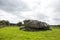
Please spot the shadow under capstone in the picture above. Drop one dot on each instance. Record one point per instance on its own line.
(33, 29)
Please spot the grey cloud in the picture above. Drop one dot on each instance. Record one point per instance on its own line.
(56, 11)
(18, 6)
(13, 5)
(56, 5)
(56, 19)
(41, 16)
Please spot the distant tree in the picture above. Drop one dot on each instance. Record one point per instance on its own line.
(4, 23)
(7, 22)
(13, 24)
(19, 24)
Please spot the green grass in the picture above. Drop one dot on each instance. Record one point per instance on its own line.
(13, 33)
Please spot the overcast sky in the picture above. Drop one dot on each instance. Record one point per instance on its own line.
(18, 10)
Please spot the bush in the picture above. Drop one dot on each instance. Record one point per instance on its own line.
(4, 23)
(19, 24)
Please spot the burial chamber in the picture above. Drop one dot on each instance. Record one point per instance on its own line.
(35, 25)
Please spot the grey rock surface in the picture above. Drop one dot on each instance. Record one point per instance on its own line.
(35, 25)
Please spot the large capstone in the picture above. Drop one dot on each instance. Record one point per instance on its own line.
(35, 25)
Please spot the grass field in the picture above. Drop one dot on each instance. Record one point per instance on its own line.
(13, 33)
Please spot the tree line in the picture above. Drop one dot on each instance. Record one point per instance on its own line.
(7, 23)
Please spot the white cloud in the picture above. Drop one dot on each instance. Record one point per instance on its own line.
(40, 10)
(8, 16)
(44, 10)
